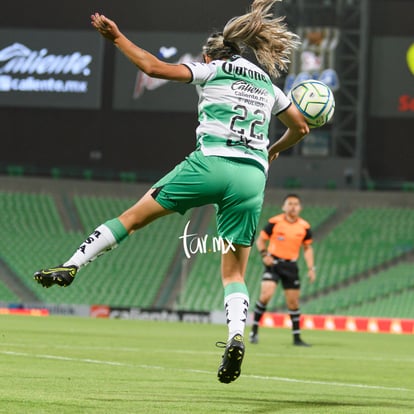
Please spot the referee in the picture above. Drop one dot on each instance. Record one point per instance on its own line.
(279, 244)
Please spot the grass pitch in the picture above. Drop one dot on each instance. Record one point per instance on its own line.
(80, 365)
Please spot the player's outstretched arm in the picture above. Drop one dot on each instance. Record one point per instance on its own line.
(145, 61)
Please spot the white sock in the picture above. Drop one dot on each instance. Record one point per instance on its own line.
(236, 305)
(100, 241)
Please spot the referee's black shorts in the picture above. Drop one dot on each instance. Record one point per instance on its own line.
(283, 271)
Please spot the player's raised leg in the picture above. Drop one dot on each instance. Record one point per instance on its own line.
(105, 237)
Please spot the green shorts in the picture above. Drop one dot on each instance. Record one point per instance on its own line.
(235, 187)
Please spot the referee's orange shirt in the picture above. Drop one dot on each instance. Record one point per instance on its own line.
(286, 238)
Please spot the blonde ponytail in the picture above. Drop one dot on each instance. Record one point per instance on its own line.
(268, 37)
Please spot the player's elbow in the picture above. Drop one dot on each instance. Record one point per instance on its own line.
(153, 68)
(302, 129)
(299, 131)
(152, 72)
(158, 73)
(161, 70)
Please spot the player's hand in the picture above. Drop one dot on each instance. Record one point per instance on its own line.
(273, 157)
(311, 275)
(106, 27)
(268, 260)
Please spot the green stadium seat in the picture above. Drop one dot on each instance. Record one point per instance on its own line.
(56, 172)
(371, 293)
(128, 176)
(15, 170)
(293, 182)
(87, 174)
(6, 295)
(36, 237)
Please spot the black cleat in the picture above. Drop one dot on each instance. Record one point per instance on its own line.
(253, 338)
(230, 367)
(61, 276)
(299, 342)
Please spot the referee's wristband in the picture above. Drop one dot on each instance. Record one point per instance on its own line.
(312, 268)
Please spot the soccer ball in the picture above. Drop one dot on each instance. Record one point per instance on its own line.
(314, 100)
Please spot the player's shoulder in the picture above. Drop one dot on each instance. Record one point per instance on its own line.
(276, 219)
(196, 65)
(303, 223)
(202, 72)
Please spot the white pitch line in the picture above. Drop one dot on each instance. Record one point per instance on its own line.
(337, 384)
(259, 377)
(366, 358)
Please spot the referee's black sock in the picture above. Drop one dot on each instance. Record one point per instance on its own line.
(295, 318)
(259, 310)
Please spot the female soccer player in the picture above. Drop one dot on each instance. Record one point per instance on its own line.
(230, 163)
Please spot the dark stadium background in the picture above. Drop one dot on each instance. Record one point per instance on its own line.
(378, 150)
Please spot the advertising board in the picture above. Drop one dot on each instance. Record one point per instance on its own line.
(50, 68)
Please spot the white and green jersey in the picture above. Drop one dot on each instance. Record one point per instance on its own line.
(236, 102)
